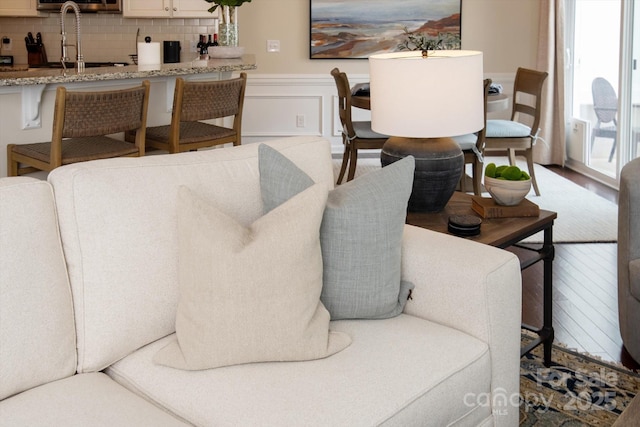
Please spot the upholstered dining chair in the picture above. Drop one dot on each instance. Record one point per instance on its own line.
(83, 128)
(518, 135)
(193, 102)
(605, 105)
(472, 146)
(355, 135)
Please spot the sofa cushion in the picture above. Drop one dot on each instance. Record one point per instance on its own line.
(361, 234)
(117, 222)
(250, 294)
(83, 400)
(37, 334)
(402, 371)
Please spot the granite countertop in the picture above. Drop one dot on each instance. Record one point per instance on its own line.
(21, 76)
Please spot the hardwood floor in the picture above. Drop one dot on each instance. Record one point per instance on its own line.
(585, 306)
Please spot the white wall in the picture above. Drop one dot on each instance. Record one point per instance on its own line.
(505, 30)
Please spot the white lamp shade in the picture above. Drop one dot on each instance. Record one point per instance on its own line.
(438, 96)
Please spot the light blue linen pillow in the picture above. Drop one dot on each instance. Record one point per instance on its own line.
(360, 235)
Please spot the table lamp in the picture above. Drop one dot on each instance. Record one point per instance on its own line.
(423, 101)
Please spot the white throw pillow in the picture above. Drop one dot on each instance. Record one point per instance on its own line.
(250, 294)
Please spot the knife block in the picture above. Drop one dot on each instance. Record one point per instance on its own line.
(36, 55)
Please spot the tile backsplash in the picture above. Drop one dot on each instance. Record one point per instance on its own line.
(105, 37)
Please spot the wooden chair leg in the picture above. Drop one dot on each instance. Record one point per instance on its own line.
(512, 156)
(463, 180)
(12, 165)
(343, 167)
(353, 162)
(477, 177)
(529, 155)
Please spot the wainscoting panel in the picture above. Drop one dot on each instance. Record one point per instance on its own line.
(282, 115)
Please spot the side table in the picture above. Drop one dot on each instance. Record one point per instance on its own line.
(502, 233)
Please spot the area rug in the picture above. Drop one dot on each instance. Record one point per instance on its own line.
(577, 390)
(583, 216)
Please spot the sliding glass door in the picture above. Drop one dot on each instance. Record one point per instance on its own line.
(603, 86)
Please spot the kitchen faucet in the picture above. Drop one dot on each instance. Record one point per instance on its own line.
(80, 59)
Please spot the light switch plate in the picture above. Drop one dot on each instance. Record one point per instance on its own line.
(273, 45)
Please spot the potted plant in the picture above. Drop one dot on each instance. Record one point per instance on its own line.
(421, 41)
(231, 3)
(228, 29)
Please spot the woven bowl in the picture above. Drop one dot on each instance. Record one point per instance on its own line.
(507, 193)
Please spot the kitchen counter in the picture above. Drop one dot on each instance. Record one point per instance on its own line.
(22, 76)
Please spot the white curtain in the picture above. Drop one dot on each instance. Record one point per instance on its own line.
(551, 48)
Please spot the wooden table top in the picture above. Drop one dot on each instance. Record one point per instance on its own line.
(499, 232)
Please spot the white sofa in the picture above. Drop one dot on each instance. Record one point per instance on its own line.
(88, 295)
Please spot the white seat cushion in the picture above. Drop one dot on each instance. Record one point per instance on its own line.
(82, 400)
(507, 129)
(401, 371)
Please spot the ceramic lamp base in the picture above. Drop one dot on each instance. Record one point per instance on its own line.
(439, 165)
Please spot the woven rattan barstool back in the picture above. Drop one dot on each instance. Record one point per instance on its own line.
(81, 123)
(196, 101)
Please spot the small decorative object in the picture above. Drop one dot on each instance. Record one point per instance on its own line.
(425, 43)
(508, 185)
(228, 27)
(464, 225)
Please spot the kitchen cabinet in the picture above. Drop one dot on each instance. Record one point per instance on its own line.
(165, 9)
(21, 8)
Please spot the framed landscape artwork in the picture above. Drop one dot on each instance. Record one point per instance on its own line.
(343, 29)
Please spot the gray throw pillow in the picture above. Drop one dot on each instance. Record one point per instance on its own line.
(360, 236)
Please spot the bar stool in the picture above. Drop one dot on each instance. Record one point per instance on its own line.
(81, 123)
(194, 102)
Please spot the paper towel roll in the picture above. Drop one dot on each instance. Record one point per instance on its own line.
(149, 53)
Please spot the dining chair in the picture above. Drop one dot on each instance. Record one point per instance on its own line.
(193, 102)
(472, 146)
(356, 135)
(518, 135)
(83, 128)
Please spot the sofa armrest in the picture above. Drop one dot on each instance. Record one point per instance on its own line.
(629, 257)
(474, 288)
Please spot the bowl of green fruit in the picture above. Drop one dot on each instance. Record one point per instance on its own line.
(508, 185)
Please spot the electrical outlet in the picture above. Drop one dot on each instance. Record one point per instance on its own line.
(6, 44)
(300, 120)
(193, 46)
(273, 46)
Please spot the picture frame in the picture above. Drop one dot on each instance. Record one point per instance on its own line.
(356, 29)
